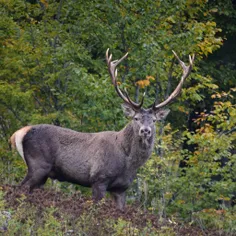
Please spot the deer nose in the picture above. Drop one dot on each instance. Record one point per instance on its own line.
(146, 131)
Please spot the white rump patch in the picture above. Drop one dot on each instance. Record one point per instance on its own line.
(19, 135)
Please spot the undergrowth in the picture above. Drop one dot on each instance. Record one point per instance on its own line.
(26, 218)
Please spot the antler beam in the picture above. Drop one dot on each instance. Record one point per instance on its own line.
(176, 92)
(113, 72)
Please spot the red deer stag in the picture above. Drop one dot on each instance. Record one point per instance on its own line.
(105, 161)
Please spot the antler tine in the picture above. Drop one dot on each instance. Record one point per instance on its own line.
(113, 72)
(176, 92)
(140, 104)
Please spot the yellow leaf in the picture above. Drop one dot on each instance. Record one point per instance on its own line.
(181, 201)
(149, 77)
(44, 2)
(209, 49)
(170, 19)
(180, 108)
(224, 94)
(220, 212)
(214, 10)
(143, 83)
(166, 46)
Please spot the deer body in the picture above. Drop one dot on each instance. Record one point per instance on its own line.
(105, 161)
(85, 158)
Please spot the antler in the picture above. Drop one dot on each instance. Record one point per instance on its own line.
(176, 92)
(113, 72)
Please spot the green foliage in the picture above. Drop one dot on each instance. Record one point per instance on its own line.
(53, 71)
(222, 220)
(207, 184)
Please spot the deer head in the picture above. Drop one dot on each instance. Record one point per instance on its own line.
(144, 119)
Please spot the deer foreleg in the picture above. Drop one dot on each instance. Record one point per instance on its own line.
(119, 198)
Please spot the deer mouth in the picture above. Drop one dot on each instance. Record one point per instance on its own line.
(145, 141)
(145, 136)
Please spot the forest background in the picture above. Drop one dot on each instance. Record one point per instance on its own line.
(53, 71)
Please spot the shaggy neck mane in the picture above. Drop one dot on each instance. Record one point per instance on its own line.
(135, 147)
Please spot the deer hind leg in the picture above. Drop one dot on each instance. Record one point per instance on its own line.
(35, 180)
(27, 177)
(37, 175)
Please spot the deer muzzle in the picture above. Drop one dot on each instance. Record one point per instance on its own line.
(145, 132)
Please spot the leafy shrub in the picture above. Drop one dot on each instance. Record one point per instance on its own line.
(208, 179)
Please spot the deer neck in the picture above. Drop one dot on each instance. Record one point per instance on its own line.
(135, 148)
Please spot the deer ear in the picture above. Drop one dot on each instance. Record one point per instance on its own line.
(162, 114)
(128, 110)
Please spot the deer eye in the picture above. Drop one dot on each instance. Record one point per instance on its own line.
(136, 118)
(154, 120)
